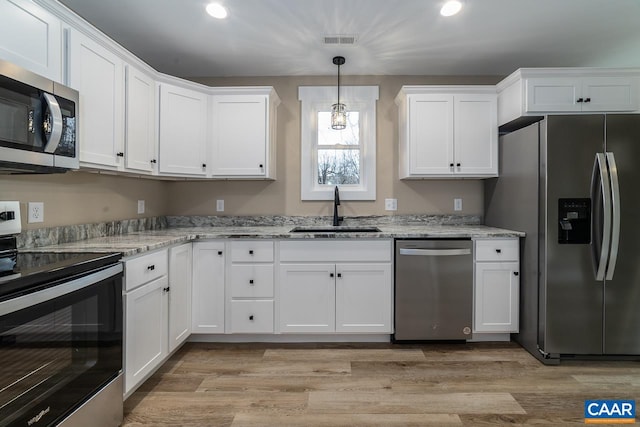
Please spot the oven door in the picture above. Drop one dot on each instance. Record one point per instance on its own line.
(59, 346)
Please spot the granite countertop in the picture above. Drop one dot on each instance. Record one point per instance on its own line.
(143, 241)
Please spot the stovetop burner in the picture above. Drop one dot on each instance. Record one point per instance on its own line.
(24, 272)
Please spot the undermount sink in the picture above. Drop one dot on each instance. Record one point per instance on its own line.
(334, 229)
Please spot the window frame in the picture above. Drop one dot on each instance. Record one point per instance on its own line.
(319, 98)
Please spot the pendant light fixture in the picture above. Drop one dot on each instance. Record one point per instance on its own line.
(338, 110)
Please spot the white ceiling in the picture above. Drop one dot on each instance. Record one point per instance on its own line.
(402, 37)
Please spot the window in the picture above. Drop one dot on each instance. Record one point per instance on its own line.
(346, 158)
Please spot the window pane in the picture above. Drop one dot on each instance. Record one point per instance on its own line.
(348, 136)
(338, 167)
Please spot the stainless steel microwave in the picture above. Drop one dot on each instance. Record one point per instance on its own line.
(38, 123)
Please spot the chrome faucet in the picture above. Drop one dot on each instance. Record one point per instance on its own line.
(336, 203)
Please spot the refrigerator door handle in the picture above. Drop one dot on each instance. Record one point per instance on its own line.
(615, 223)
(600, 170)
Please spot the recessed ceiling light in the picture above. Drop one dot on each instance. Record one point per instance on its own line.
(450, 8)
(217, 10)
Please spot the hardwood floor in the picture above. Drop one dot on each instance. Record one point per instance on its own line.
(206, 384)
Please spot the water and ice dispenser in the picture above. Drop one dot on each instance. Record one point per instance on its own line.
(574, 221)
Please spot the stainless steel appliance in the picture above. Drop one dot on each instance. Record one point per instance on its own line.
(433, 289)
(38, 123)
(60, 336)
(571, 183)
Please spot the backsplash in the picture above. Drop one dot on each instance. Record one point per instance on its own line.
(72, 233)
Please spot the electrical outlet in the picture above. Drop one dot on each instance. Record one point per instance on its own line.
(35, 212)
(457, 204)
(390, 204)
(220, 205)
(140, 206)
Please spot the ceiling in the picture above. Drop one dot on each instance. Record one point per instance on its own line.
(407, 37)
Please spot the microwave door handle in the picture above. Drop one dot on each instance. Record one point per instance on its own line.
(600, 171)
(56, 126)
(615, 223)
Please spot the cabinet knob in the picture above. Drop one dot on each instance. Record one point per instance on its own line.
(251, 252)
(515, 273)
(151, 267)
(339, 274)
(498, 251)
(204, 165)
(153, 161)
(251, 281)
(587, 100)
(330, 274)
(251, 317)
(166, 289)
(579, 100)
(261, 166)
(450, 165)
(458, 164)
(219, 252)
(120, 154)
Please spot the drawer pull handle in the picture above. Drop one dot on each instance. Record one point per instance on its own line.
(515, 273)
(339, 274)
(251, 317)
(151, 267)
(498, 251)
(251, 252)
(219, 252)
(251, 281)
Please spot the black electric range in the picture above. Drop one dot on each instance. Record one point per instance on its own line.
(24, 272)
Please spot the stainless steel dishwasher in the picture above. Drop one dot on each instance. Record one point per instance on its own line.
(433, 289)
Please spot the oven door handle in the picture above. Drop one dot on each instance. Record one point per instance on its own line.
(29, 300)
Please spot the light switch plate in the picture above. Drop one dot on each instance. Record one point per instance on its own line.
(140, 206)
(10, 226)
(457, 204)
(390, 204)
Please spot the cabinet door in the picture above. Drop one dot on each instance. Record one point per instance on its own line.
(31, 38)
(496, 295)
(307, 298)
(98, 75)
(240, 135)
(140, 154)
(476, 134)
(553, 94)
(145, 331)
(363, 298)
(208, 288)
(430, 134)
(610, 94)
(180, 268)
(183, 135)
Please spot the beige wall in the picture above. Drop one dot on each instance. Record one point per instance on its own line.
(283, 196)
(84, 198)
(81, 197)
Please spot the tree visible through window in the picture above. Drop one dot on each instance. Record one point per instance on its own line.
(339, 154)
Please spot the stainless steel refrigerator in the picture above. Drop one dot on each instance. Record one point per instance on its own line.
(572, 183)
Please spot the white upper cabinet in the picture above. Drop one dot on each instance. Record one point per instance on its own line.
(243, 133)
(448, 132)
(31, 38)
(98, 74)
(536, 91)
(183, 131)
(141, 146)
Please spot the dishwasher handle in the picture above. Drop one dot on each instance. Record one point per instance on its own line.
(435, 252)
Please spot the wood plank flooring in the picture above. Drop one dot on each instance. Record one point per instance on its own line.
(207, 384)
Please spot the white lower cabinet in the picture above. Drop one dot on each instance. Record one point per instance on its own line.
(208, 298)
(355, 296)
(157, 311)
(497, 286)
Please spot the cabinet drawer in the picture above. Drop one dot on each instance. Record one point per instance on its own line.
(252, 316)
(252, 251)
(145, 268)
(251, 280)
(497, 250)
